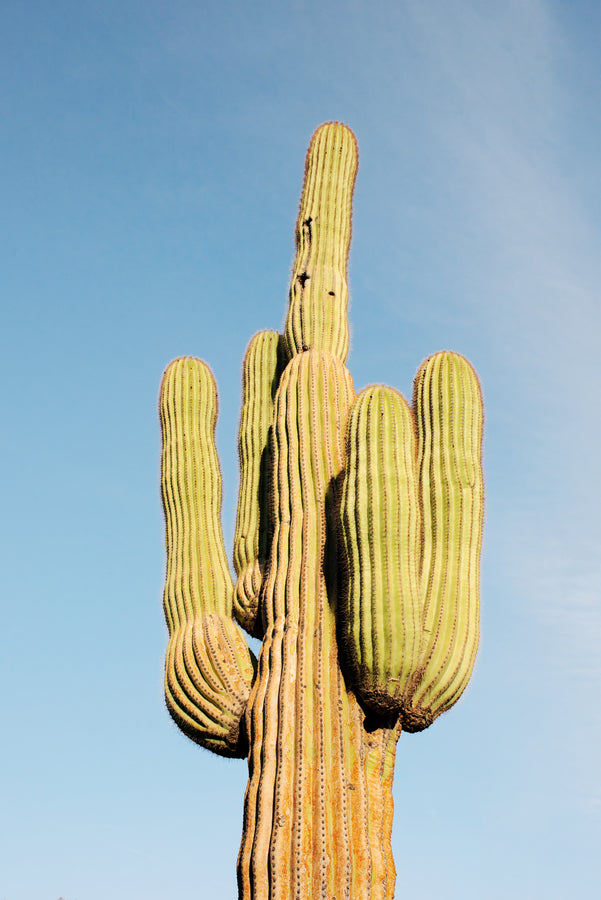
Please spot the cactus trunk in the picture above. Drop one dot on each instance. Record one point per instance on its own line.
(313, 824)
(356, 550)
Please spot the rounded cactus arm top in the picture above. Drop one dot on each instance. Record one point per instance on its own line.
(317, 315)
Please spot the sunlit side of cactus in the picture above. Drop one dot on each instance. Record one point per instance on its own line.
(356, 551)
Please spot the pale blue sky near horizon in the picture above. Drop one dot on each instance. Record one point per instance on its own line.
(153, 155)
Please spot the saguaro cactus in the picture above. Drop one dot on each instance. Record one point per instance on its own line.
(357, 552)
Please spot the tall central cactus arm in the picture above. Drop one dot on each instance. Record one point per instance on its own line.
(317, 318)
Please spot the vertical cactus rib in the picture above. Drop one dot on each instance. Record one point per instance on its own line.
(209, 668)
(318, 290)
(252, 536)
(379, 605)
(448, 405)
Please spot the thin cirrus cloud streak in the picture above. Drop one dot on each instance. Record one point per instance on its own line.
(540, 277)
(500, 121)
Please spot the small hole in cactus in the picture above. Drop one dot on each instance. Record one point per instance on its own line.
(303, 278)
(371, 722)
(331, 294)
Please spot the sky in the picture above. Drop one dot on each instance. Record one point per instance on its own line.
(153, 155)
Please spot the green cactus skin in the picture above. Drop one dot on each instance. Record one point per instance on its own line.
(448, 404)
(209, 668)
(252, 539)
(357, 550)
(318, 289)
(411, 527)
(381, 523)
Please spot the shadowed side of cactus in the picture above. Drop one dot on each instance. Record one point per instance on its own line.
(356, 550)
(263, 364)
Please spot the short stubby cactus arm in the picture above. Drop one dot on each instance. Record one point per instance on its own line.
(209, 668)
(261, 372)
(448, 409)
(317, 318)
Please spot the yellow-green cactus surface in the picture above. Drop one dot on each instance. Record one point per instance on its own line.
(357, 557)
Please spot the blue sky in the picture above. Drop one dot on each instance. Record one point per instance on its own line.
(153, 156)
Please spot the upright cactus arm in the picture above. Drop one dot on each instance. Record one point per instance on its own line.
(448, 407)
(209, 668)
(411, 519)
(379, 606)
(317, 317)
(261, 372)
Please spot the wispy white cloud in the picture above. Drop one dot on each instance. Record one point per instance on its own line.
(561, 583)
(536, 286)
(500, 120)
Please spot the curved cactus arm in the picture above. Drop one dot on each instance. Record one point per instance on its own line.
(448, 407)
(379, 608)
(209, 668)
(317, 317)
(252, 538)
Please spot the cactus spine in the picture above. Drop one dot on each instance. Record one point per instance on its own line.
(356, 549)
